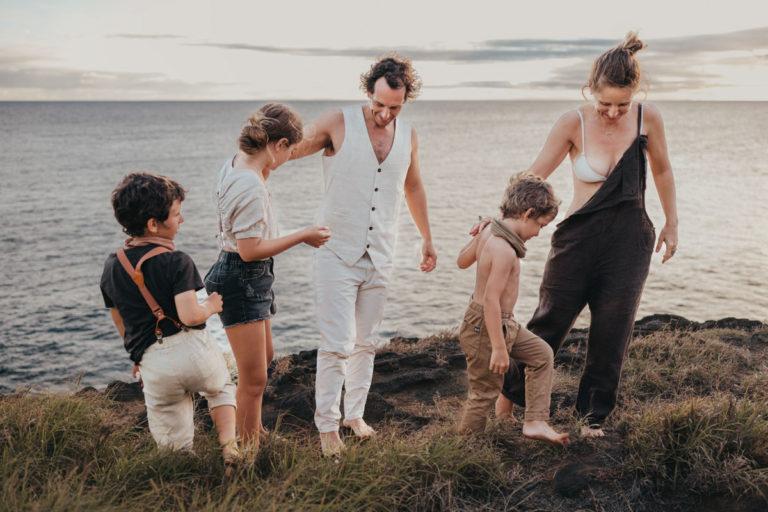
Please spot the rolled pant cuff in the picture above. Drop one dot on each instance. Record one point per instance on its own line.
(536, 416)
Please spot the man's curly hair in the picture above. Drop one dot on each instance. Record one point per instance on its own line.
(141, 196)
(399, 73)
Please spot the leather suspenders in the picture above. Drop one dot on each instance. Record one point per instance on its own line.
(138, 278)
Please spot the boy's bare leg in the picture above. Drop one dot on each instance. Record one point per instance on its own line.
(504, 407)
(331, 444)
(248, 342)
(224, 419)
(541, 431)
(587, 431)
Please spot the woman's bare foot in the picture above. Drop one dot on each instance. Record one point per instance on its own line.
(541, 431)
(331, 444)
(591, 431)
(504, 407)
(360, 428)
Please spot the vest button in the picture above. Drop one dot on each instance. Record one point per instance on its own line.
(370, 228)
(379, 170)
(368, 246)
(376, 189)
(373, 209)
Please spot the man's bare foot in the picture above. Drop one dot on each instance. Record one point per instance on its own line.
(360, 428)
(504, 407)
(541, 431)
(331, 444)
(588, 431)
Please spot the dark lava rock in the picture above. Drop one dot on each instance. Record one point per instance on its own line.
(742, 324)
(572, 479)
(124, 391)
(297, 408)
(377, 408)
(405, 380)
(405, 340)
(87, 391)
(653, 323)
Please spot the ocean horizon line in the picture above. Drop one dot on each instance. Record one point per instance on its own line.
(347, 100)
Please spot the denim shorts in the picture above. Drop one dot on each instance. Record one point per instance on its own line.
(245, 287)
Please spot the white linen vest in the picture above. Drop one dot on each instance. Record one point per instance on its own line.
(363, 197)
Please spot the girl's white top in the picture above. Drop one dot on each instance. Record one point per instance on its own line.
(244, 207)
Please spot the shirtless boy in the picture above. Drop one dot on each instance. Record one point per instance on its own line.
(489, 334)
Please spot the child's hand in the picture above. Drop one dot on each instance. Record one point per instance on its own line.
(214, 303)
(316, 235)
(477, 228)
(499, 362)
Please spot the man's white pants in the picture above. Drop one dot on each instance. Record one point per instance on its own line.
(349, 304)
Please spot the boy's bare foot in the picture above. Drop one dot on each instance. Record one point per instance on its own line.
(541, 431)
(331, 444)
(504, 407)
(360, 428)
(592, 431)
(232, 457)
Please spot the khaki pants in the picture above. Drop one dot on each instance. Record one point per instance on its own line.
(484, 386)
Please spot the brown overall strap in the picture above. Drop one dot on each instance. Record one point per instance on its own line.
(138, 277)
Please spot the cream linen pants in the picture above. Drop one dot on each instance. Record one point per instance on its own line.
(187, 362)
(349, 305)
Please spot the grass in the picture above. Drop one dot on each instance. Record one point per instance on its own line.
(692, 423)
(72, 453)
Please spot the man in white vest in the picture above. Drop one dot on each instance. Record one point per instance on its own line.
(370, 162)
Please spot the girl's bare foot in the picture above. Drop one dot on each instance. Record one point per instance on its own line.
(331, 444)
(592, 431)
(360, 428)
(504, 407)
(541, 431)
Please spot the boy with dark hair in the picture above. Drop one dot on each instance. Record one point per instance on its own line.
(150, 290)
(490, 334)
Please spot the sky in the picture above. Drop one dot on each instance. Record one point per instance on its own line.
(292, 50)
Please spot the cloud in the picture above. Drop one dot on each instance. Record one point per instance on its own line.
(481, 53)
(145, 36)
(502, 50)
(22, 72)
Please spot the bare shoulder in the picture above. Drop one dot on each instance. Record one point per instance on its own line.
(569, 120)
(500, 252)
(651, 114)
(330, 120)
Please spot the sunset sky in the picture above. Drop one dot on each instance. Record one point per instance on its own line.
(243, 50)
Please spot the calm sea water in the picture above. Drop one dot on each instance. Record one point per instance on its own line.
(59, 162)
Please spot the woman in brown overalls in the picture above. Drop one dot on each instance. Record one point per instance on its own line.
(602, 250)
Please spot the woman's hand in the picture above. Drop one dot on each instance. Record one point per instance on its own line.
(668, 236)
(316, 235)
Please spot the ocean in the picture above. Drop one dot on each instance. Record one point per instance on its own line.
(60, 161)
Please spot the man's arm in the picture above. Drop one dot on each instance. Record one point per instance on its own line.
(416, 197)
(318, 135)
(503, 262)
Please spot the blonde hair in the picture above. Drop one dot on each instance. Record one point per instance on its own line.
(527, 191)
(618, 67)
(272, 122)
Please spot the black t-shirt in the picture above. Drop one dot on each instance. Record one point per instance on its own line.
(165, 275)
